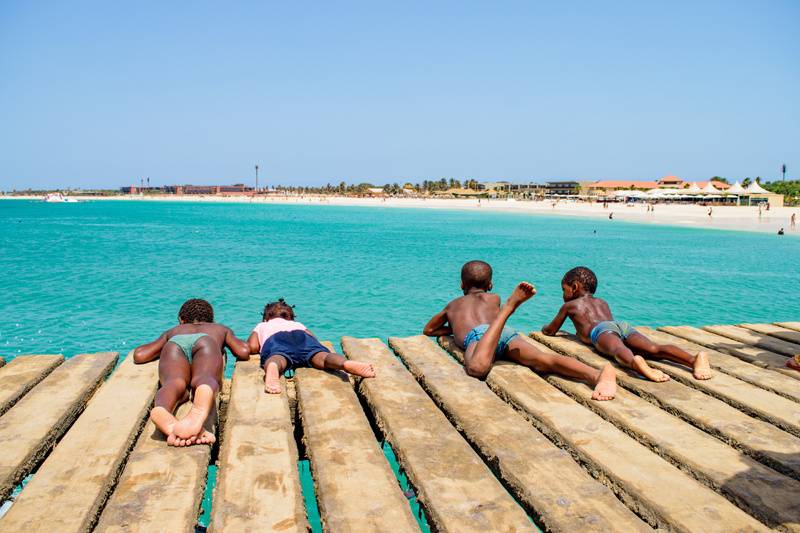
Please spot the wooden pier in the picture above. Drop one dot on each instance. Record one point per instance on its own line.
(516, 452)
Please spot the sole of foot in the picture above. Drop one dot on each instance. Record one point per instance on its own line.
(272, 379)
(192, 424)
(606, 387)
(522, 292)
(702, 369)
(641, 366)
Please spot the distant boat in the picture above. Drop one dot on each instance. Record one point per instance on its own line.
(58, 198)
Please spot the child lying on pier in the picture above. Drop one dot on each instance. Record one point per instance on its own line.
(190, 356)
(285, 344)
(595, 325)
(478, 323)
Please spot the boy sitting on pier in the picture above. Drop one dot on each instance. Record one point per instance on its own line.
(285, 344)
(190, 355)
(595, 325)
(478, 323)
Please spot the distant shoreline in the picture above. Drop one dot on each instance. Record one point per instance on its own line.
(691, 216)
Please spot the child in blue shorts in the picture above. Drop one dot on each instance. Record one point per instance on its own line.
(285, 344)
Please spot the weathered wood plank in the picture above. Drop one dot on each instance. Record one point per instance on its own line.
(756, 339)
(763, 378)
(258, 484)
(161, 487)
(457, 490)
(21, 374)
(789, 325)
(2, 362)
(542, 476)
(761, 440)
(753, 355)
(786, 334)
(356, 489)
(82, 470)
(30, 429)
(657, 490)
(762, 492)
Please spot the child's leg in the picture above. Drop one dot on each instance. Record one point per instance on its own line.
(611, 344)
(274, 366)
(174, 375)
(643, 345)
(479, 356)
(333, 361)
(207, 363)
(604, 381)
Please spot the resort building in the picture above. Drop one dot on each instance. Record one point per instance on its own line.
(225, 190)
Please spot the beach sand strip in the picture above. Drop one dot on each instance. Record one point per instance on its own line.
(77, 478)
(21, 374)
(661, 493)
(258, 485)
(30, 429)
(456, 489)
(544, 477)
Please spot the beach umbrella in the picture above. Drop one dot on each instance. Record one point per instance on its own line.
(694, 189)
(755, 188)
(736, 188)
(709, 189)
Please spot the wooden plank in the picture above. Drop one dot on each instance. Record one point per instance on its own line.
(789, 325)
(786, 334)
(161, 488)
(542, 476)
(658, 491)
(21, 374)
(2, 362)
(456, 489)
(763, 441)
(356, 489)
(82, 470)
(765, 379)
(762, 492)
(753, 355)
(756, 339)
(258, 484)
(31, 428)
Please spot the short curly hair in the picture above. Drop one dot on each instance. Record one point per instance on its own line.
(279, 309)
(477, 275)
(196, 310)
(582, 275)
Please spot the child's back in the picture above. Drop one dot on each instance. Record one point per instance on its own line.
(471, 310)
(586, 312)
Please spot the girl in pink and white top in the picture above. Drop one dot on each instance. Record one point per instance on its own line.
(285, 344)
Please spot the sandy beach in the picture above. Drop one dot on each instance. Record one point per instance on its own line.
(723, 217)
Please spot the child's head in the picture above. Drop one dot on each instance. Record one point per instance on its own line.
(476, 275)
(578, 282)
(196, 310)
(279, 309)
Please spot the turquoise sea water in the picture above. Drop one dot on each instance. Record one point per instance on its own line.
(99, 276)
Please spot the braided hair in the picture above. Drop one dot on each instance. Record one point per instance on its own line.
(196, 310)
(279, 309)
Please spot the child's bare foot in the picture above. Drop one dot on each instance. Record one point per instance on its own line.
(702, 370)
(272, 380)
(192, 424)
(522, 292)
(641, 366)
(794, 362)
(206, 437)
(606, 386)
(163, 419)
(357, 368)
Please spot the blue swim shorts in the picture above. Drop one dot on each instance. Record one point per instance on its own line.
(477, 333)
(620, 327)
(298, 347)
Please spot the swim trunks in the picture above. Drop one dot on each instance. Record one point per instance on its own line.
(298, 347)
(186, 342)
(477, 333)
(620, 327)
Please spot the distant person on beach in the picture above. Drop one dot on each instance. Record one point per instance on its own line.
(190, 357)
(285, 344)
(595, 325)
(780, 231)
(710, 210)
(611, 216)
(793, 220)
(478, 323)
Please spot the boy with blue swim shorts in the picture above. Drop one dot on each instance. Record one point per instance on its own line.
(477, 322)
(595, 325)
(285, 344)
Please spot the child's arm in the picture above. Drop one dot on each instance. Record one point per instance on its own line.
(238, 347)
(438, 326)
(253, 344)
(553, 327)
(150, 351)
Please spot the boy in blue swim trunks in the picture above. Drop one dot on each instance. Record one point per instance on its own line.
(595, 325)
(190, 357)
(285, 344)
(477, 321)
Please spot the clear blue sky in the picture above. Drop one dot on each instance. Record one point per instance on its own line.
(101, 93)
